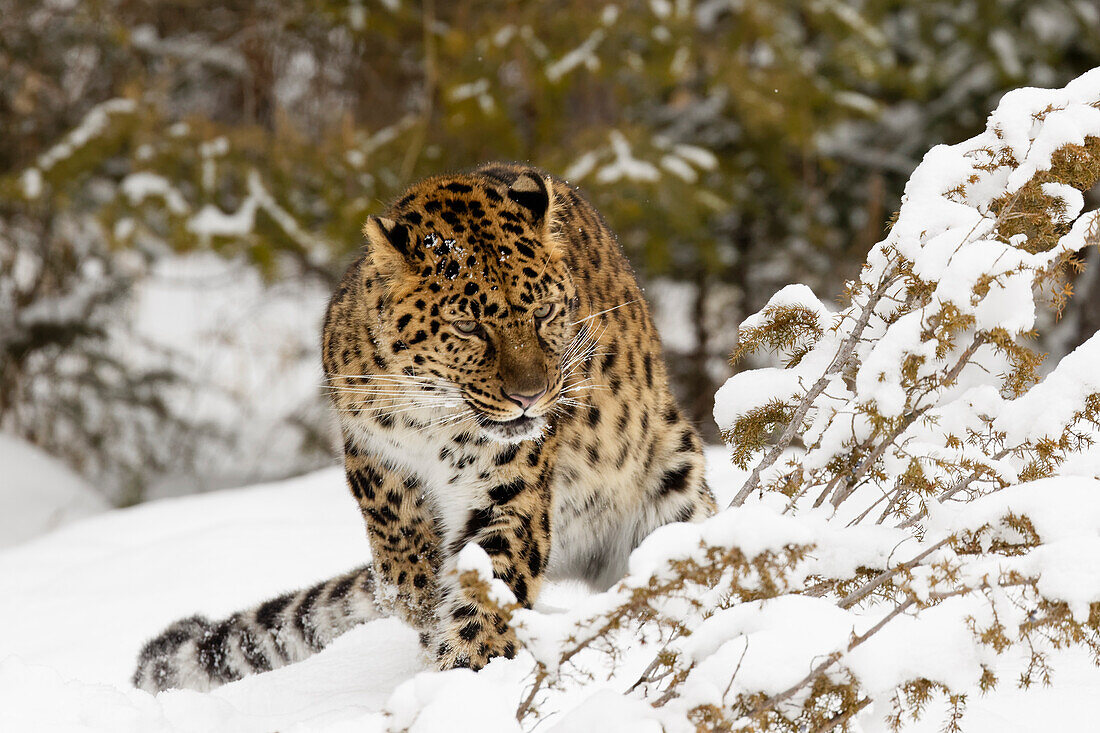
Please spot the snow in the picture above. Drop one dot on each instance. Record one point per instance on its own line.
(582, 55)
(879, 376)
(1050, 405)
(32, 183)
(459, 700)
(1073, 200)
(671, 303)
(39, 493)
(211, 221)
(681, 160)
(700, 157)
(773, 643)
(625, 165)
(759, 622)
(470, 90)
(79, 603)
(130, 572)
(473, 558)
(947, 235)
(93, 124)
(679, 168)
(897, 396)
(1065, 512)
(582, 166)
(139, 186)
(608, 712)
(936, 645)
(791, 296)
(752, 390)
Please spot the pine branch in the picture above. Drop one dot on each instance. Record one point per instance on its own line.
(839, 361)
(886, 575)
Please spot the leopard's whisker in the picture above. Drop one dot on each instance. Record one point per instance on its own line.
(584, 346)
(455, 419)
(378, 374)
(608, 310)
(395, 408)
(397, 393)
(583, 354)
(401, 379)
(577, 382)
(414, 399)
(383, 401)
(380, 412)
(393, 391)
(585, 388)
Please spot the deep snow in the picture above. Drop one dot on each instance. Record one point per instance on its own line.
(79, 602)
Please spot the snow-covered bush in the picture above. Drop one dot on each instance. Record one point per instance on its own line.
(140, 367)
(63, 385)
(903, 534)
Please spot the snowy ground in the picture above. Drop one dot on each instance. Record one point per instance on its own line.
(39, 493)
(80, 601)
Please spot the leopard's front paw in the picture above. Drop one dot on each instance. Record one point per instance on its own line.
(471, 642)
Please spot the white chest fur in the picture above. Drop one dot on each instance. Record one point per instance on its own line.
(448, 473)
(596, 520)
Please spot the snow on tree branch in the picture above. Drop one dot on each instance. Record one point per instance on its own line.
(909, 381)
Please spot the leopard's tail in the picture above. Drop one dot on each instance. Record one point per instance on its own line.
(199, 654)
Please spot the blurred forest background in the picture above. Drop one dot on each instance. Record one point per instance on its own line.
(182, 182)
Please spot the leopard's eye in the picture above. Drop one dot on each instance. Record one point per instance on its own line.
(544, 311)
(465, 326)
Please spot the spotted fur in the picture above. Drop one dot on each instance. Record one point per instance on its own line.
(499, 381)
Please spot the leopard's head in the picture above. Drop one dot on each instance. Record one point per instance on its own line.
(479, 297)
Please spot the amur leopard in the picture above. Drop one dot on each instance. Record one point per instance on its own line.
(498, 380)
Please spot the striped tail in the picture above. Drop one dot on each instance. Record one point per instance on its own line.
(199, 654)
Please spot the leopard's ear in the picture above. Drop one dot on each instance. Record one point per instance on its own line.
(532, 192)
(388, 244)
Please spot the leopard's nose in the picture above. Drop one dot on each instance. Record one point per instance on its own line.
(525, 400)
